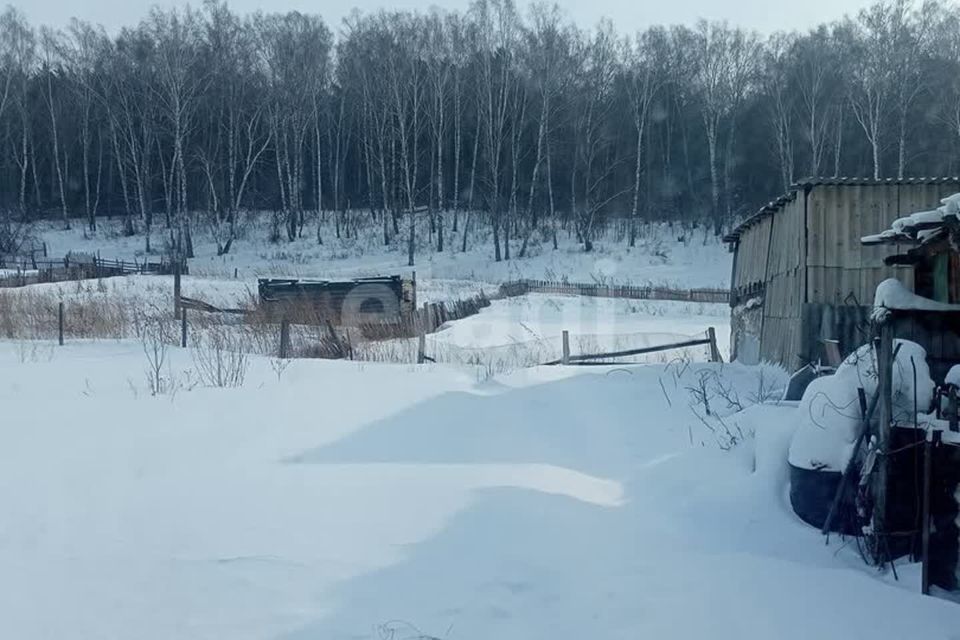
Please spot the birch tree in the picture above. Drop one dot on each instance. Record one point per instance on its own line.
(644, 79)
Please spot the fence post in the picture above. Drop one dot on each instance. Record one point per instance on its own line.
(714, 351)
(183, 328)
(176, 286)
(925, 513)
(885, 381)
(421, 347)
(60, 322)
(566, 348)
(414, 289)
(284, 337)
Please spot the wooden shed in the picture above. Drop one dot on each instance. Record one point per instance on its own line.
(800, 272)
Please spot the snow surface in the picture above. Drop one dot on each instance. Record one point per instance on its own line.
(829, 412)
(664, 255)
(543, 318)
(346, 500)
(524, 331)
(358, 500)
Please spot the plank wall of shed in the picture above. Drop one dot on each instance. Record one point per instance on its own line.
(785, 284)
(840, 270)
(751, 262)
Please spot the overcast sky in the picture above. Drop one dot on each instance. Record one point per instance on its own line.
(628, 15)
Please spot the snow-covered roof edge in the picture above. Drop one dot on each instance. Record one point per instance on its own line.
(921, 226)
(892, 295)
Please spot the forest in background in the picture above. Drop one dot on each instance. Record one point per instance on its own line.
(509, 117)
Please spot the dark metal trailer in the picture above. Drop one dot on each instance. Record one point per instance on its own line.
(352, 302)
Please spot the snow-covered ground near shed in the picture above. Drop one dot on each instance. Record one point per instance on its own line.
(353, 500)
(359, 500)
(664, 255)
(527, 330)
(540, 316)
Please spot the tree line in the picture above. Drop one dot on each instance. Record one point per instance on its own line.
(515, 119)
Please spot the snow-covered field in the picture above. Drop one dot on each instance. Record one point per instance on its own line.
(359, 500)
(348, 500)
(663, 256)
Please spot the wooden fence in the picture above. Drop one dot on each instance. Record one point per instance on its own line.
(709, 339)
(630, 292)
(40, 271)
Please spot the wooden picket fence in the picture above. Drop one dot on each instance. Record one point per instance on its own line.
(65, 270)
(630, 292)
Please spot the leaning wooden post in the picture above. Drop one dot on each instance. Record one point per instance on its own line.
(284, 337)
(885, 374)
(714, 351)
(183, 327)
(566, 348)
(60, 322)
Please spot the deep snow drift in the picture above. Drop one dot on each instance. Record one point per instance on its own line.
(346, 500)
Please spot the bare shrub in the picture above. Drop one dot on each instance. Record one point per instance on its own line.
(324, 341)
(156, 340)
(279, 366)
(401, 630)
(220, 355)
(15, 232)
(714, 401)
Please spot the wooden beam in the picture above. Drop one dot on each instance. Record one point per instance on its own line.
(885, 358)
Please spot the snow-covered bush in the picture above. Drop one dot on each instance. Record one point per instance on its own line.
(829, 414)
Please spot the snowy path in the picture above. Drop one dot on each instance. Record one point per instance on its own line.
(344, 497)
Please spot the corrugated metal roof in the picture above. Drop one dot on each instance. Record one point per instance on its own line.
(805, 183)
(868, 182)
(766, 210)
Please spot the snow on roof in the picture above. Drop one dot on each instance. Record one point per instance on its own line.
(953, 376)
(920, 226)
(891, 295)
